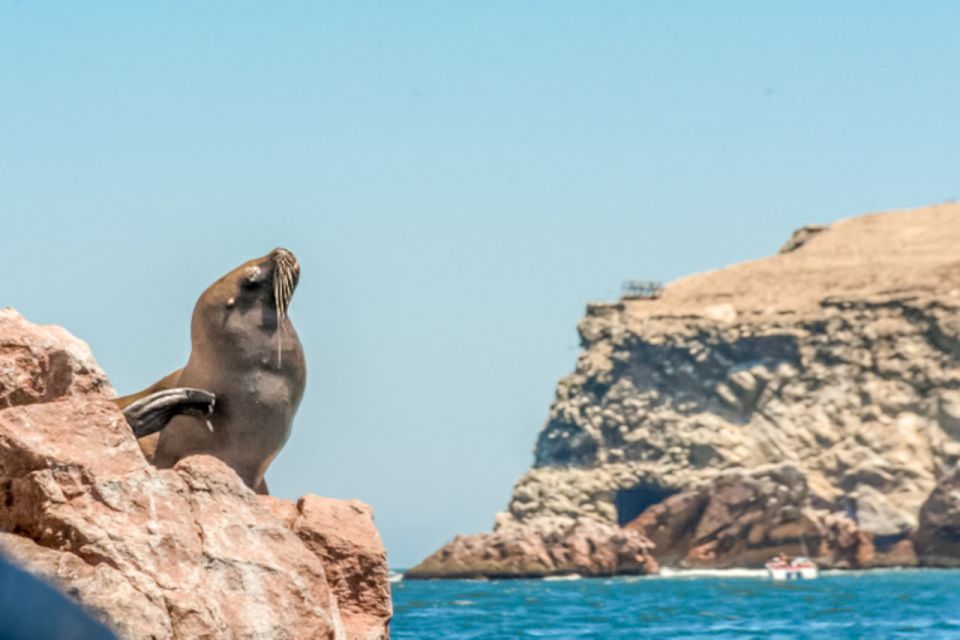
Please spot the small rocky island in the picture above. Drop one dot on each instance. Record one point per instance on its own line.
(807, 403)
(188, 552)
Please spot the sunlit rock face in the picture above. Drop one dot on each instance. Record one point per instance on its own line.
(838, 356)
(43, 363)
(188, 552)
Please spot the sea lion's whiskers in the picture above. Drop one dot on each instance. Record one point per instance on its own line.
(278, 307)
(282, 293)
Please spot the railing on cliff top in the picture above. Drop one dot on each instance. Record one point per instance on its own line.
(641, 289)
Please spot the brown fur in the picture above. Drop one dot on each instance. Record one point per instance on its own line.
(245, 351)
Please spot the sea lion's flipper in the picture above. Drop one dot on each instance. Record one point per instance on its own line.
(167, 382)
(152, 412)
(261, 489)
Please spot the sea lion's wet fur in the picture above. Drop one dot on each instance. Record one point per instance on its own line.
(245, 351)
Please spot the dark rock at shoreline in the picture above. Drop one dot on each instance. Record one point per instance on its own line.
(742, 519)
(938, 536)
(737, 520)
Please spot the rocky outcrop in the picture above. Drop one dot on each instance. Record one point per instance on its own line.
(188, 552)
(546, 548)
(839, 356)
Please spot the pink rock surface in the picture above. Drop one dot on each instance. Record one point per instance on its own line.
(45, 363)
(208, 559)
(188, 552)
(342, 534)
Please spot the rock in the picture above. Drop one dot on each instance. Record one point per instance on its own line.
(45, 363)
(207, 557)
(937, 539)
(671, 524)
(744, 518)
(845, 545)
(901, 553)
(725, 313)
(949, 415)
(801, 237)
(738, 520)
(539, 549)
(342, 534)
(188, 552)
(875, 514)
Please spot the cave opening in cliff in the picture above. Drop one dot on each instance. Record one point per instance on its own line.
(633, 501)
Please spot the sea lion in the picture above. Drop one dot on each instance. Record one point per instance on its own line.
(236, 397)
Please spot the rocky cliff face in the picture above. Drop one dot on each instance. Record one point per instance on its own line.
(188, 552)
(839, 358)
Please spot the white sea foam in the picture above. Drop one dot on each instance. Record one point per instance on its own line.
(667, 572)
(569, 576)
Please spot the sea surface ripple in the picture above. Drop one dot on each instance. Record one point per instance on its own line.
(877, 604)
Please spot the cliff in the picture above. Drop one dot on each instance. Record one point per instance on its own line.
(188, 552)
(807, 402)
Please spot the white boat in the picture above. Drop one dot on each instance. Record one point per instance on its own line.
(798, 568)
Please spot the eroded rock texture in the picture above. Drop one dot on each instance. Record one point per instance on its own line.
(188, 552)
(839, 356)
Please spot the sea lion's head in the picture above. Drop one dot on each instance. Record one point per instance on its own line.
(255, 295)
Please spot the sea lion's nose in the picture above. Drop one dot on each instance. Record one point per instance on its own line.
(285, 255)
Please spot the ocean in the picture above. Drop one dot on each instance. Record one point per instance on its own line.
(717, 604)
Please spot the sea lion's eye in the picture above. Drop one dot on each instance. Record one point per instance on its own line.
(254, 277)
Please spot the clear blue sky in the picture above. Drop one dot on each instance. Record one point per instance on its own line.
(457, 179)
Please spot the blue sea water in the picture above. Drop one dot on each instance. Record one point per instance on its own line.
(869, 605)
